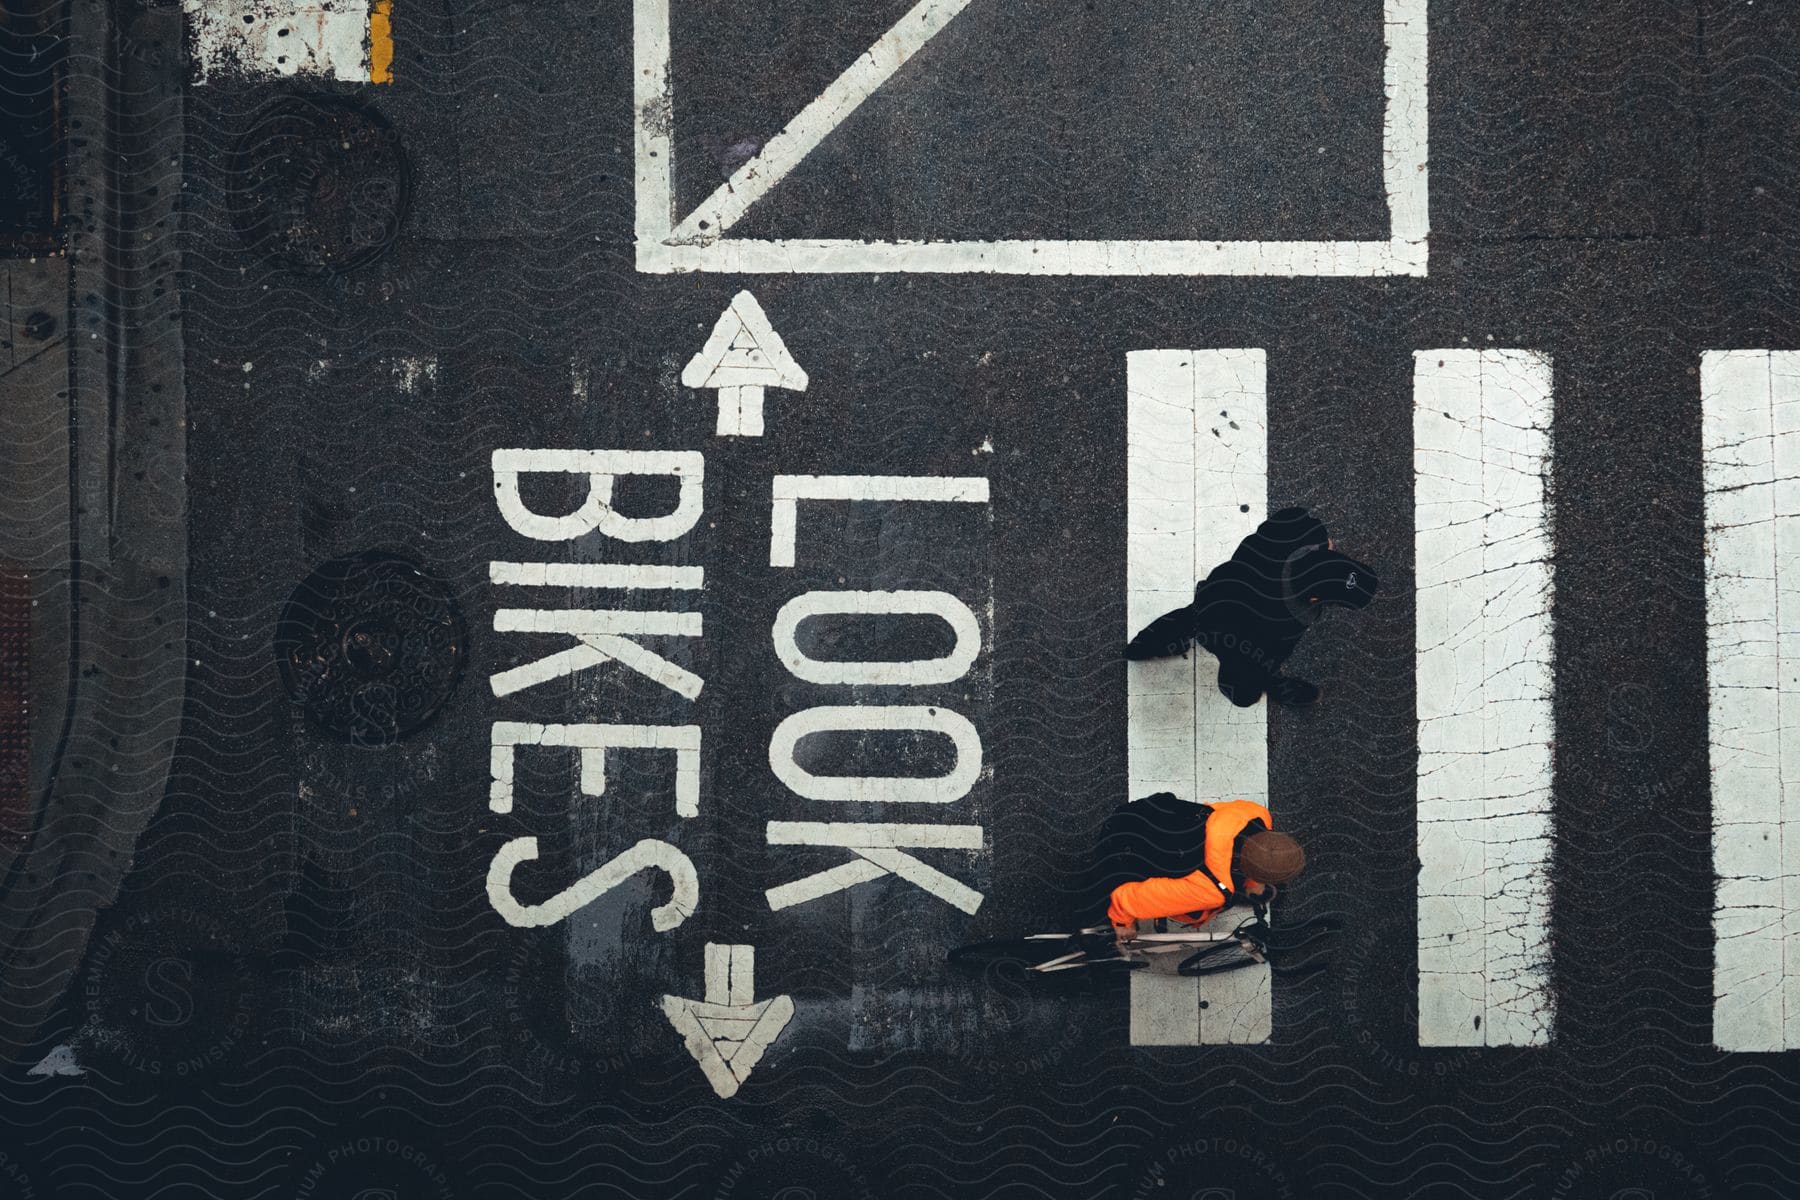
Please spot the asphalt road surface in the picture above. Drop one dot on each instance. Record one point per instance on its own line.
(503, 810)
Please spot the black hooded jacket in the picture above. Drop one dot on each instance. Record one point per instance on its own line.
(1252, 610)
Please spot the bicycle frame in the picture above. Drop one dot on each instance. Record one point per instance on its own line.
(1184, 937)
(1207, 950)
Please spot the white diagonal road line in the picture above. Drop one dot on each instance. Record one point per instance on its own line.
(699, 243)
(752, 181)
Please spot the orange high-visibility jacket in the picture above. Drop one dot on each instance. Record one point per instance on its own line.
(1196, 896)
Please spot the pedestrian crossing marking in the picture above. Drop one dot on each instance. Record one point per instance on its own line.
(1750, 404)
(1196, 485)
(1481, 444)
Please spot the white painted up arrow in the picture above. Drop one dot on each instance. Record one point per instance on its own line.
(728, 1032)
(743, 356)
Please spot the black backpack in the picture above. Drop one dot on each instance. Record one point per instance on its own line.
(1160, 836)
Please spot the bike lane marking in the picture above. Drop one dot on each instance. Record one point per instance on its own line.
(1750, 402)
(1196, 484)
(1481, 446)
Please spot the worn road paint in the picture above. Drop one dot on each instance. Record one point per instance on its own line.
(330, 39)
(1197, 450)
(789, 490)
(878, 850)
(653, 124)
(1481, 428)
(697, 243)
(828, 256)
(729, 1031)
(951, 665)
(1750, 402)
(601, 635)
(914, 719)
(1406, 126)
(647, 855)
(381, 42)
(598, 576)
(413, 374)
(592, 742)
(783, 152)
(596, 513)
(743, 356)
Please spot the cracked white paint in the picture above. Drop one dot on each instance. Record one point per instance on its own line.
(1481, 422)
(603, 468)
(742, 357)
(320, 38)
(591, 742)
(877, 848)
(1197, 452)
(698, 242)
(783, 152)
(788, 490)
(913, 672)
(647, 855)
(597, 575)
(412, 374)
(601, 636)
(1750, 402)
(728, 1032)
(412, 371)
(947, 788)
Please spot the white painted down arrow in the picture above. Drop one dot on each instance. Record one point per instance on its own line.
(728, 1031)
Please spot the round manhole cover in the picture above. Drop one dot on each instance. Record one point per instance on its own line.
(370, 647)
(319, 184)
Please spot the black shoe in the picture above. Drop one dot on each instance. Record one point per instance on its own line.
(1295, 693)
(1168, 635)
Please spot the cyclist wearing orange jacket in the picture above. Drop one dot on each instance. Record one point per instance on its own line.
(1167, 857)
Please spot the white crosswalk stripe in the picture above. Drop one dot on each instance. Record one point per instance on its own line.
(1197, 483)
(1481, 430)
(1750, 401)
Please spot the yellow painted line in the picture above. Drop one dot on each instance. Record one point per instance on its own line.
(381, 42)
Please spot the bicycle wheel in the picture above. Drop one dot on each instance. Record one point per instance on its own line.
(1216, 960)
(1259, 943)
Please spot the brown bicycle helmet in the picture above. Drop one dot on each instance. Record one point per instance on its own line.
(1271, 857)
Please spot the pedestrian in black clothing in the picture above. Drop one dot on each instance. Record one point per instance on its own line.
(1252, 611)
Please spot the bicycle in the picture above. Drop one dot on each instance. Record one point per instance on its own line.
(1093, 953)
